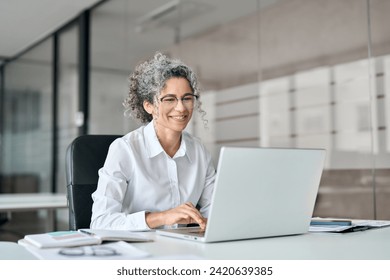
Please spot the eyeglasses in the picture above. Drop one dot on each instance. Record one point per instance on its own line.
(88, 251)
(188, 100)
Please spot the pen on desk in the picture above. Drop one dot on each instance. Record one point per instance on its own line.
(86, 232)
(359, 228)
(320, 222)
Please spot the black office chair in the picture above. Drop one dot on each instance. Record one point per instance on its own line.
(84, 157)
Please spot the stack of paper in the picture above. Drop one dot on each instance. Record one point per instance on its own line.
(108, 251)
(82, 237)
(342, 225)
(85, 244)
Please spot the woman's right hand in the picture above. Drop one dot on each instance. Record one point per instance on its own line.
(183, 214)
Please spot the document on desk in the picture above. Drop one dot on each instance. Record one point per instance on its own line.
(355, 225)
(83, 237)
(119, 250)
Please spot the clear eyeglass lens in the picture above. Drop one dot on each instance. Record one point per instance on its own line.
(72, 252)
(104, 252)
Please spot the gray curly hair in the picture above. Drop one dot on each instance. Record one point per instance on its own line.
(149, 78)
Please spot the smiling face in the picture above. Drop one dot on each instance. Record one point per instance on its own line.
(171, 117)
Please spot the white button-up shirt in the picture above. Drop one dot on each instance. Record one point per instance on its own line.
(139, 177)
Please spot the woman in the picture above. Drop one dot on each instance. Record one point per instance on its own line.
(155, 175)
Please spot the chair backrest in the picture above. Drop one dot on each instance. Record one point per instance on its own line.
(84, 157)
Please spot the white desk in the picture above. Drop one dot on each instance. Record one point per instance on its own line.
(13, 251)
(372, 244)
(21, 202)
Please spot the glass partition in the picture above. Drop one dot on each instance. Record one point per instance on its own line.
(28, 122)
(120, 37)
(320, 53)
(379, 50)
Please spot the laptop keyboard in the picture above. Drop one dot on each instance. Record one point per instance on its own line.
(197, 232)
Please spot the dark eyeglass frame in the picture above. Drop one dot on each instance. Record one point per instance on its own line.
(194, 98)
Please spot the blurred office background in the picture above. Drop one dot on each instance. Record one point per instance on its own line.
(274, 73)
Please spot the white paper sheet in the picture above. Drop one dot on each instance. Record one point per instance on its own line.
(108, 251)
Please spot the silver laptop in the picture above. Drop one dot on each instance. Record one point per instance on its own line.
(260, 192)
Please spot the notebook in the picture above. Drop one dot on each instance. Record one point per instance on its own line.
(260, 192)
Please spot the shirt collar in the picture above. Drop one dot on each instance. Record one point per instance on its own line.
(181, 152)
(154, 146)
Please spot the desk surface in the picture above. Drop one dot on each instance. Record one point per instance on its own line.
(13, 251)
(372, 244)
(32, 201)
